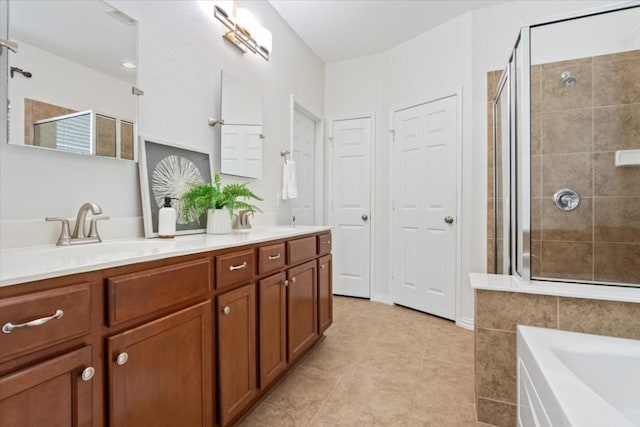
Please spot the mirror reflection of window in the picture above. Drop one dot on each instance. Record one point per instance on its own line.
(71, 60)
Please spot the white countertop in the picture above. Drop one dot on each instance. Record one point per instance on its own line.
(43, 262)
(501, 282)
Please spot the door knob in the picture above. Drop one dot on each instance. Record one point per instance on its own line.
(365, 217)
(448, 219)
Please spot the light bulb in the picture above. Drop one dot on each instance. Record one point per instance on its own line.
(245, 19)
(264, 38)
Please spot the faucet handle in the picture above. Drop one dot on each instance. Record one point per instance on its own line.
(65, 234)
(93, 227)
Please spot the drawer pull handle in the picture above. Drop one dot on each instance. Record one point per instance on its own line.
(87, 373)
(226, 310)
(326, 242)
(8, 327)
(122, 358)
(238, 267)
(293, 279)
(271, 258)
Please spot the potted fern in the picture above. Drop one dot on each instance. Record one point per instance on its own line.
(213, 200)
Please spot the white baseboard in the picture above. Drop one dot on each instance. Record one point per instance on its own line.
(466, 323)
(381, 298)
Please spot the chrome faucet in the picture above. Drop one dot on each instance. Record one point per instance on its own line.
(80, 235)
(241, 220)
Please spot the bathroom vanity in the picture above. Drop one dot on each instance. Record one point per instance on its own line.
(188, 332)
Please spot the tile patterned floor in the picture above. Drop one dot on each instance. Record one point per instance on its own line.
(379, 365)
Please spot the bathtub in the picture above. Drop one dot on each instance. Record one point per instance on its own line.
(574, 379)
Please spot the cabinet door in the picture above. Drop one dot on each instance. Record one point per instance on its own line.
(325, 301)
(272, 323)
(302, 309)
(236, 351)
(161, 371)
(52, 393)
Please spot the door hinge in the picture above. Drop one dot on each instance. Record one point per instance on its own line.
(393, 134)
(393, 275)
(393, 205)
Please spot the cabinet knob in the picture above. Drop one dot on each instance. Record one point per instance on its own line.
(226, 310)
(322, 266)
(286, 283)
(88, 373)
(122, 358)
(293, 279)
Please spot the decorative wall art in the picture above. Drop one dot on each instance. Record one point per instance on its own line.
(168, 170)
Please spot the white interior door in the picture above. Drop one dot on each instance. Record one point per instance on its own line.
(424, 209)
(304, 149)
(242, 151)
(350, 206)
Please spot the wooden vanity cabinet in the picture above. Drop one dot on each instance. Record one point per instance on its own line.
(272, 341)
(160, 373)
(325, 293)
(236, 314)
(302, 309)
(56, 392)
(194, 340)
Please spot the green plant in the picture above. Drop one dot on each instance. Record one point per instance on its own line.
(202, 197)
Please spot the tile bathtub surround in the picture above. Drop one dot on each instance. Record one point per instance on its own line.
(378, 365)
(575, 133)
(498, 313)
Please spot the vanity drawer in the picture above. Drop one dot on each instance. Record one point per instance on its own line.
(301, 249)
(236, 267)
(324, 244)
(136, 294)
(270, 258)
(56, 315)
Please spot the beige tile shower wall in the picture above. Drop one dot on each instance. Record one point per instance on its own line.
(579, 130)
(38, 110)
(496, 316)
(574, 135)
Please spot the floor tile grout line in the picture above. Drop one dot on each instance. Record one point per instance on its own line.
(326, 399)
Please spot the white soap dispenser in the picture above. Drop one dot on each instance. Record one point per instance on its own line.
(167, 220)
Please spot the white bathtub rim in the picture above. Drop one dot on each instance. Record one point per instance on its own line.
(569, 394)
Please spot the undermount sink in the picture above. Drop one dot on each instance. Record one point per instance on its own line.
(110, 247)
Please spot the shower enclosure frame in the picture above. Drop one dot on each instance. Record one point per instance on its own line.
(518, 74)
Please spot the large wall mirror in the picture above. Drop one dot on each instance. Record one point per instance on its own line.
(241, 134)
(70, 81)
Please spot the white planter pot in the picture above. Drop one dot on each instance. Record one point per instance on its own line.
(218, 221)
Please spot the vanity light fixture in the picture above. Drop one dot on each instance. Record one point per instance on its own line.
(244, 33)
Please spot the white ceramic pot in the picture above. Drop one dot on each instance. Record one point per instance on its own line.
(218, 221)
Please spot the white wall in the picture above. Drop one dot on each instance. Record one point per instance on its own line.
(455, 55)
(181, 55)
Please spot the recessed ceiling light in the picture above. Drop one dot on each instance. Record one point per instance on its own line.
(129, 65)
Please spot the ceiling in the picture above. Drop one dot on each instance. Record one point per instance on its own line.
(343, 29)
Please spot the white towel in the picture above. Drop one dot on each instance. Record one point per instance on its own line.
(289, 185)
